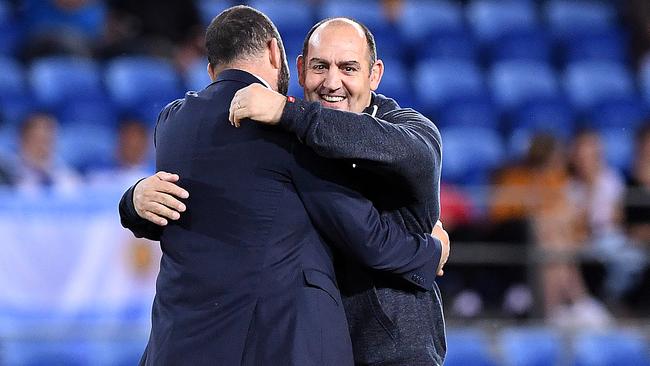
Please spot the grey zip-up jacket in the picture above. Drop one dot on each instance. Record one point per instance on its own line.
(395, 154)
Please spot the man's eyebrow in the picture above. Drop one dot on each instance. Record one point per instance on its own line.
(349, 63)
(316, 60)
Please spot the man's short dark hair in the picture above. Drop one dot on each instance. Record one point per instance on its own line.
(238, 32)
(370, 39)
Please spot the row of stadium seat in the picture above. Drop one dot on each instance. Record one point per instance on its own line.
(524, 346)
(602, 92)
(515, 346)
(488, 19)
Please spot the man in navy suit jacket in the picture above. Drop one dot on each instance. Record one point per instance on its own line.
(246, 276)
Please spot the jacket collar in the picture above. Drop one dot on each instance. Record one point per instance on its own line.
(238, 75)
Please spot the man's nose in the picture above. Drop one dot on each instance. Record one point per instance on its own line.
(332, 79)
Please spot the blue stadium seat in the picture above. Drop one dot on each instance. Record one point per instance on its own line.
(470, 112)
(290, 16)
(47, 352)
(451, 45)
(10, 38)
(438, 82)
(57, 80)
(100, 112)
(368, 12)
(607, 45)
(196, 76)
(569, 17)
(10, 30)
(421, 18)
(491, 19)
(5, 12)
(612, 348)
(627, 113)
(530, 346)
(618, 144)
(470, 163)
(531, 45)
(208, 9)
(136, 80)
(467, 347)
(591, 82)
(8, 142)
(12, 79)
(120, 352)
(553, 115)
(395, 82)
(390, 45)
(516, 82)
(85, 146)
(644, 79)
(13, 111)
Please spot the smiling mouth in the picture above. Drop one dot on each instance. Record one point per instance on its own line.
(332, 98)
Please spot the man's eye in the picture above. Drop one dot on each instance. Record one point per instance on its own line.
(349, 69)
(319, 67)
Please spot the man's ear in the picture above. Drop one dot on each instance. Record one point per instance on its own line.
(300, 63)
(212, 73)
(275, 55)
(376, 72)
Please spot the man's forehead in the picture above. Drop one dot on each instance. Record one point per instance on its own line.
(342, 35)
(337, 27)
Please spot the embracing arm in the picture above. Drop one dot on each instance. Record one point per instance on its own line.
(402, 144)
(146, 207)
(348, 220)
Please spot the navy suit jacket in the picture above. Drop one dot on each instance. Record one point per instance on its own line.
(246, 276)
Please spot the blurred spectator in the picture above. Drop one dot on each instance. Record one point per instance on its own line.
(131, 161)
(637, 217)
(532, 190)
(596, 190)
(61, 26)
(170, 29)
(637, 197)
(392, 9)
(637, 17)
(535, 191)
(456, 208)
(37, 166)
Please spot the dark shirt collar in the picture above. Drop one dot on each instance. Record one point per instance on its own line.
(371, 107)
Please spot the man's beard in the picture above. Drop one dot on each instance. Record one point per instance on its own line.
(283, 76)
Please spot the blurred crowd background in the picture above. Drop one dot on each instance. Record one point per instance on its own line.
(544, 109)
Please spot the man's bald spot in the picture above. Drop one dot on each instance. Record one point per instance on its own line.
(361, 30)
(336, 23)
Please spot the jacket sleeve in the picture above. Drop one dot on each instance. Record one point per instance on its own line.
(130, 219)
(403, 144)
(348, 220)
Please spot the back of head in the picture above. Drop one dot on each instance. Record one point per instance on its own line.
(238, 33)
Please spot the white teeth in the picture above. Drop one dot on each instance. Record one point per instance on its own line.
(332, 99)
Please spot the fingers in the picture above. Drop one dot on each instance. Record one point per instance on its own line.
(169, 188)
(239, 115)
(161, 210)
(149, 216)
